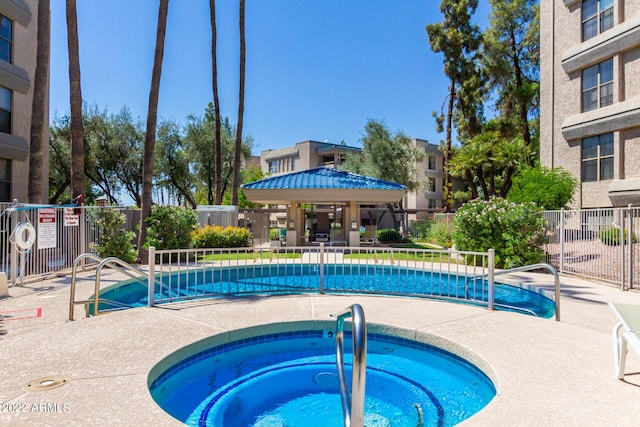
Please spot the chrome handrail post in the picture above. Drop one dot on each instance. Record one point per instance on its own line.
(352, 405)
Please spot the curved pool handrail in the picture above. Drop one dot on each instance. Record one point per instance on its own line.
(535, 267)
(72, 295)
(113, 262)
(352, 403)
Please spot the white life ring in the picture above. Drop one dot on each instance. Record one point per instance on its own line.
(25, 235)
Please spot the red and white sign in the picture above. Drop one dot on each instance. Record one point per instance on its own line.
(71, 219)
(46, 228)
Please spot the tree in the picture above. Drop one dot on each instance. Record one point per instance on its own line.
(39, 104)
(216, 103)
(489, 161)
(113, 147)
(388, 157)
(238, 147)
(511, 62)
(173, 170)
(150, 133)
(75, 96)
(59, 160)
(550, 189)
(459, 40)
(250, 174)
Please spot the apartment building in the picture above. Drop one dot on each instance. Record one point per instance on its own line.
(18, 45)
(590, 97)
(430, 198)
(302, 156)
(311, 154)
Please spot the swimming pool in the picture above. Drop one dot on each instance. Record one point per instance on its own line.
(289, 378)
(335, 278)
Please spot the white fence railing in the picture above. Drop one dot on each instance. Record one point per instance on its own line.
(62, 233)
(601, 244)
(188, 274)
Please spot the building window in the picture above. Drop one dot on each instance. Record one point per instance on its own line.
(431, 185)
(293, 163)
(432, 203)
(5, 180)
(597, 17)
(597, 86)
(5, 110)
(431, 163)
(273, 166)
(6, 38)
(597, 158)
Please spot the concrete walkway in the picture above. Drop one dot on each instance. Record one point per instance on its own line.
(547, 373)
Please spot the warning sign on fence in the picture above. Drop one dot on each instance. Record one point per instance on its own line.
(71, 219)
(46, 228)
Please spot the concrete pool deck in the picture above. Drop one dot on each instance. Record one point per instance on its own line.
(547, 373)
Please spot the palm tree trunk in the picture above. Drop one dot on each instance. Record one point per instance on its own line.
(150, 134)
(238, 149)
(39, 104)
(448, 187)
(216, 102)
(75, 96)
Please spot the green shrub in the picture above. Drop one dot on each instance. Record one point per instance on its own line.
(389, 235)
(515, 231)
(274, 234)
(170, 227)
(441, 234)
(222, 237)
(611, 236)
(422, 228)
(548, 188)
(114, 239)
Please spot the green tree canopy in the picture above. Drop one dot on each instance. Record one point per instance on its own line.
(548, 188)
(392, 157)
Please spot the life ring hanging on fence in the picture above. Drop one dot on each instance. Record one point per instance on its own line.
(25, 235)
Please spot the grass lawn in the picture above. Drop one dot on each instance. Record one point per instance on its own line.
(407, 256)
(247, 256)
(416, 245)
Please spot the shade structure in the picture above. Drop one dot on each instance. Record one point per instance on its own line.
(323, 185)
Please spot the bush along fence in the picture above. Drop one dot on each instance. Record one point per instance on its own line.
(599, 244)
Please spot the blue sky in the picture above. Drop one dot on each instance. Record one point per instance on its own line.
(315, 69)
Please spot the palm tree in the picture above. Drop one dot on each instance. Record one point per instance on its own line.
(216, 103)
(150, 134)
(75, 96)
(238, 148)
(39, 104)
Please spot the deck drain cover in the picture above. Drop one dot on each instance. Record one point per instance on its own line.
(46, 383)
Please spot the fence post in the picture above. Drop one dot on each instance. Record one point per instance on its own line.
(321, 253)
(152, 273)
(491, 279)
(621, 236)
(562, 225)
(630, 245)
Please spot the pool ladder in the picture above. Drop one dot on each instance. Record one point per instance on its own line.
(352, 403)
(111, 262)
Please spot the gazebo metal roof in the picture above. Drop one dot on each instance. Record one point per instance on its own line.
(323, 185)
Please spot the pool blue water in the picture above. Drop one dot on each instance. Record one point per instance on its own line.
(338, 278)
(290, 379)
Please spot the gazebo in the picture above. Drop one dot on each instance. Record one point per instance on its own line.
(323, 186)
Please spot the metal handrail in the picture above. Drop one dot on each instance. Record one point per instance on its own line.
(352, 404)
(534, 267)
(72, 295)
(112, 262)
